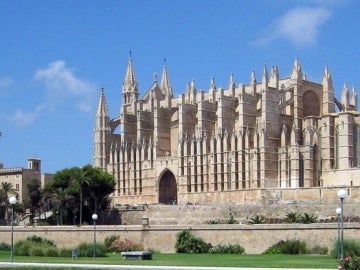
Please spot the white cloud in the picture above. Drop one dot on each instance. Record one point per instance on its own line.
(5, 83)
(61, 83)
(22, 119)
(300, 25)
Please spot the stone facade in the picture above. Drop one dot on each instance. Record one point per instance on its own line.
(213, 145)
(18, 177)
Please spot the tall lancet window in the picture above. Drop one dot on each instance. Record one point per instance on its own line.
(356, 138)
(337, 159)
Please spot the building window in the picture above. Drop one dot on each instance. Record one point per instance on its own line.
(17, 176)
(17, 187)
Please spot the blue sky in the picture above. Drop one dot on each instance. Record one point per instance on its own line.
(56, 55)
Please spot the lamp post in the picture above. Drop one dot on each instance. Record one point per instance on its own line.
(338, 212)
(94, 217)
(12, 201)
(342, 193)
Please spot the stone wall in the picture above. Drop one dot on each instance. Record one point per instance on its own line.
(270, 203)
(254, 238)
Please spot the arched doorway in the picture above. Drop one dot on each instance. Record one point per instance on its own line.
(167, 188)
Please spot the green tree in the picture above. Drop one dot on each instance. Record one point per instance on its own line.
(61, 197)
(80, 177)
(86, 187)
(34, 202)
(100, 186)
(7, 189)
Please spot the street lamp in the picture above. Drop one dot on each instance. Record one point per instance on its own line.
(12, 201)
(94, 217)
(342, 193)
(338, 212)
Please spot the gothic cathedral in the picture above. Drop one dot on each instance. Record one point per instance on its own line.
(214, 145)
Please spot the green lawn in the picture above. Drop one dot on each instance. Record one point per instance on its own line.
(219, 260)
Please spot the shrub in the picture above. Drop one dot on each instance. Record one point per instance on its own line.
(319, 250)
(186, 242)
(349, 263)
(125, 245)
(22, 248)
(227, 249)
(36, 251)
(288, 247)
(51, 252)
(109, 240)
(292, 217)
(257, 220)
(351, 248)
(4, 246)
(33, 246)
(64, 252)
(272, 250)
(39, 240)
(307, 218)
(87, 250)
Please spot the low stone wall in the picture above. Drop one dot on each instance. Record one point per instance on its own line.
(254, 238)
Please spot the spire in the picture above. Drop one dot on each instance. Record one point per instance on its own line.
(253, 78)
(130, 78)
(297, 71)
(232, 84)
(328, 92)
(353, 99)
(327, 80)
(193, 92)
(130, 89)
(265, 78)
(253, 83)
(102, 107)
(274, 77)
(345, 97)
(102, 128)
(212, 84)
(165, 82)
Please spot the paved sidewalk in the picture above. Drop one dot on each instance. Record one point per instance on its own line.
(135, 267)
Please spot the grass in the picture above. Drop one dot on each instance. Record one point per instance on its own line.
(219, 260)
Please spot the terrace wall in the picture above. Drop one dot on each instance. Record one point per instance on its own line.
(254, 238)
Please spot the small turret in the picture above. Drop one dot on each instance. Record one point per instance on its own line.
(232, 85)
(274, 77)
(345, 97)
(253, 82)
(297, 71)
(130, 89)
(328, 93)
(165, 82)
(353, 99)
(265, 79)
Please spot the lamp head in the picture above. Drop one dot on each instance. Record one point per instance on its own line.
(342, 193)
(12, 200)
(94, 216)
(338, 210)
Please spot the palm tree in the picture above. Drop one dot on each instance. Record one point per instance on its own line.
(81, 177)
(61, 196)
(7, 188)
